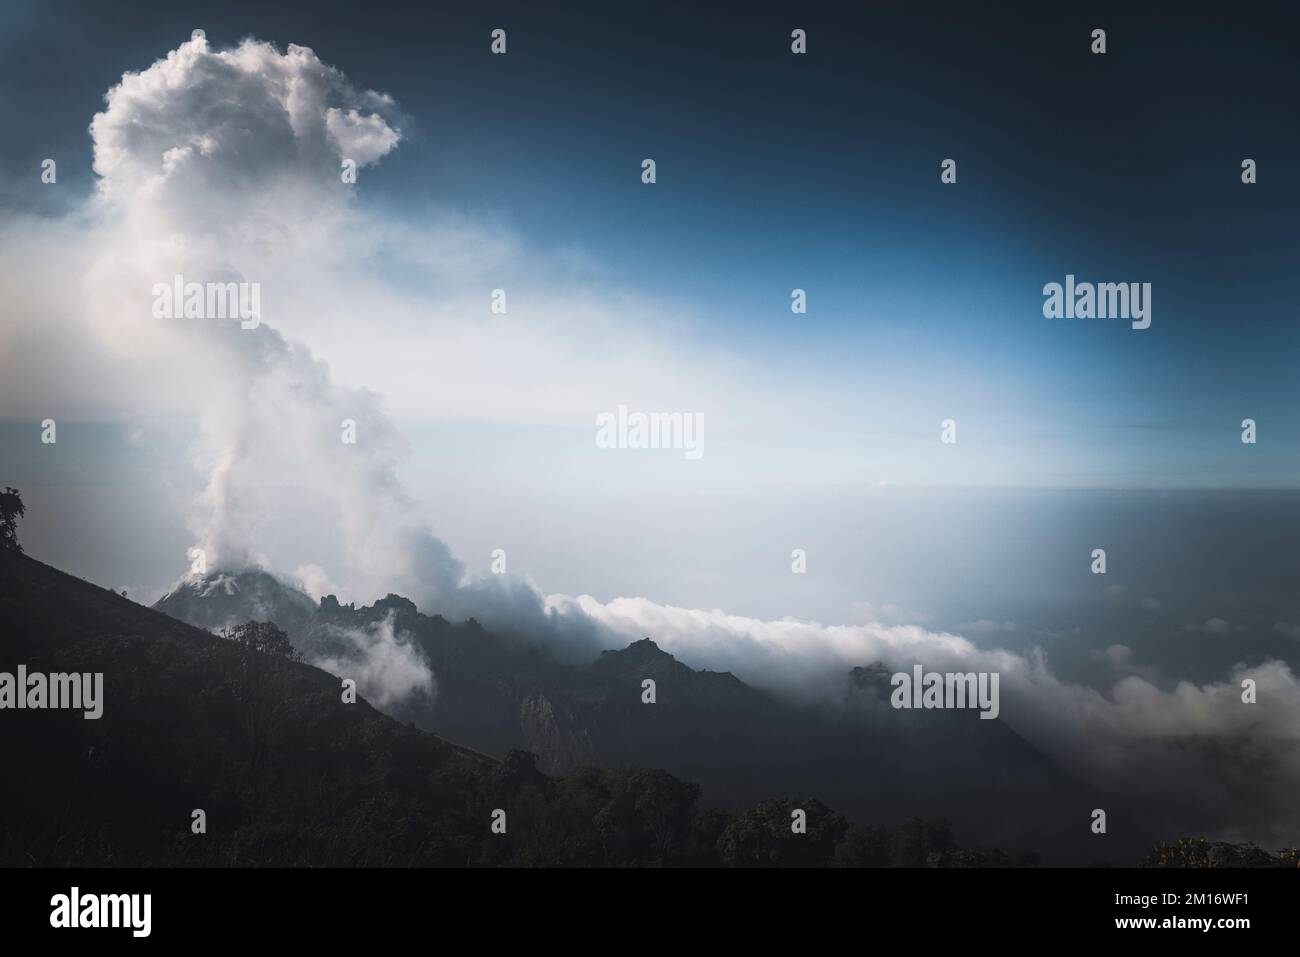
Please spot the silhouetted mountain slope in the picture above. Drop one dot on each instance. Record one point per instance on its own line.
(741, 744)
(288, 774)
(285, 771)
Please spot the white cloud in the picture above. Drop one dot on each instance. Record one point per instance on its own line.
(385, 665)
(314, 580)
(1194, 750)
(201, 119)
(362, 139)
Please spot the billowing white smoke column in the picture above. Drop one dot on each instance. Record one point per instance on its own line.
(225, 166)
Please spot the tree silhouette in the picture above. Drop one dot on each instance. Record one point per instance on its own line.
(262, 648)
(11, 509)
(263, 637)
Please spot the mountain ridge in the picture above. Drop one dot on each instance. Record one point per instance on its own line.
(287, 773)
(739, 742)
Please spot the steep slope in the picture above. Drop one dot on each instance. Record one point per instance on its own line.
(284, 770)
(739, 743)
(286, 773)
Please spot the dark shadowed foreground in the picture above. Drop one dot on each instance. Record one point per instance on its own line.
(288, 774)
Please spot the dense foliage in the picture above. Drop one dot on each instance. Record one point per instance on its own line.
(11, 509)
(1198, 852)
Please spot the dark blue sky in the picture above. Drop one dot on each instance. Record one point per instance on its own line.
(822, 172)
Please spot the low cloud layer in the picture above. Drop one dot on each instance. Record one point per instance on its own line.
(1198, 753)
(386, 666)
